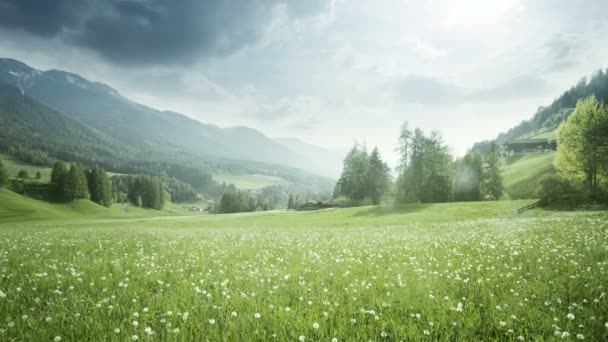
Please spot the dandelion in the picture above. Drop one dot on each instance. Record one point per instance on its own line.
(570, 316)
(335, 339)
(57, 338)
(134, 338)
(580, 336)
(287, 309)
(135, 323)
(426, 332)
(148, 331)
(24, 317)
(302, 338)
(212, 321)
(565, 334)
(233, 314)
(11, 324)
(48, 319)
(2, 294)
(145, 310)
(503, 323)
(117, 331)
(176, 331)
(315, 325)
(257, 316)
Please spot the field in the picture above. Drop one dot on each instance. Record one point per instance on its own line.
(248, 181)
(459, 271)
(14, 166)
(521, 173)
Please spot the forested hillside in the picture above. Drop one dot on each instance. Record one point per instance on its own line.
(552, 115)
(163, 133)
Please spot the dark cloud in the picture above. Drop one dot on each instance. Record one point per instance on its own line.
(151, 31)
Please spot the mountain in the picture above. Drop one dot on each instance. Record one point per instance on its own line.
(328, 161)
(102, 109)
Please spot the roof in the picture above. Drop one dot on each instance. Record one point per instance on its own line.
(528, 141)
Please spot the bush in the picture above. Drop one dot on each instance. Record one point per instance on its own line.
(342, 202)
(553, 189)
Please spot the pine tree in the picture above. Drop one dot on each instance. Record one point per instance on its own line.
(100, 186)
(491, 185)
(58, 178)
(290, 202)
(75, 186)
(3, 175)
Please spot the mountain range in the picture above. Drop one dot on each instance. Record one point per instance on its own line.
(135, 129)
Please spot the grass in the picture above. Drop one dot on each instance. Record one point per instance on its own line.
(457, 271)
(545, 133)
(522, 173)
(13, 166)
(248, 181)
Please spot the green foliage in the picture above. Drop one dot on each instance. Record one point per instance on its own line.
(146, 191)
(75, 184)
(522, 173)
(235, 201)
(3, 174)
(491, 181)
(554, 189)
(290, 202)
(365, 177)
(425, 168)
(100, 186)
(59, 176)
(554, 114)
(583, 144)
(23, 174)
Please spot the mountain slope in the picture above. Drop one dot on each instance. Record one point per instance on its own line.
(329, 161)
(100, 107)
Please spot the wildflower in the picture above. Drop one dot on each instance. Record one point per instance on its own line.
(335, 339)
(57, 338)
(134, 338)
(11, 324)
(257, 316)
(302, 338)
(24, 317)
(233, 314)
(148, 331)
(145, 310)
(135, 323)
(315, 325)
(520, 338)
(580, 336)
(48, 319)
(426, 332)
(287, 309)
(176, 331)
(2, 294)
(565, 334)
(117, 331)
(570, 316)
(212, 321)
(503, 323)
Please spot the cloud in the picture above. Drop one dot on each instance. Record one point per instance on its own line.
(427, 90)
(520, 87)
(152, 32)
(435, 92)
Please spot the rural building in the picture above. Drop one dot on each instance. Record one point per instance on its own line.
(530, 145)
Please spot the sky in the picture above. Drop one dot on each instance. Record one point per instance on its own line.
(329, 72)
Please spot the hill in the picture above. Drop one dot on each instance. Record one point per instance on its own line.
(548, 118)
(166, 134)
(522, 172)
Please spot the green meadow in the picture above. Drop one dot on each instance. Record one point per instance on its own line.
(457, 271)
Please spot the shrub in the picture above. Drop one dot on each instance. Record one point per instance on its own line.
(553, 189)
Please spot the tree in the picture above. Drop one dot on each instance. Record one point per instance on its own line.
(75, 185)
(100, 186)
(290, 202)
(491, 184)
(58, 177)
(378, 177)
(38, 175)
(582, 153)
(23, 174)
(3, 175)
(467, 181)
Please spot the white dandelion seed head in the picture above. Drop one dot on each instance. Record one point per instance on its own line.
(315, 325)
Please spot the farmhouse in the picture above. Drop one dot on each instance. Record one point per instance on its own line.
(530, 145)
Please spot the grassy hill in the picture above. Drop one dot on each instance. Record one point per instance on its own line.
(18, 208)
(521, 173)
(13, 166)
(248, 181)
